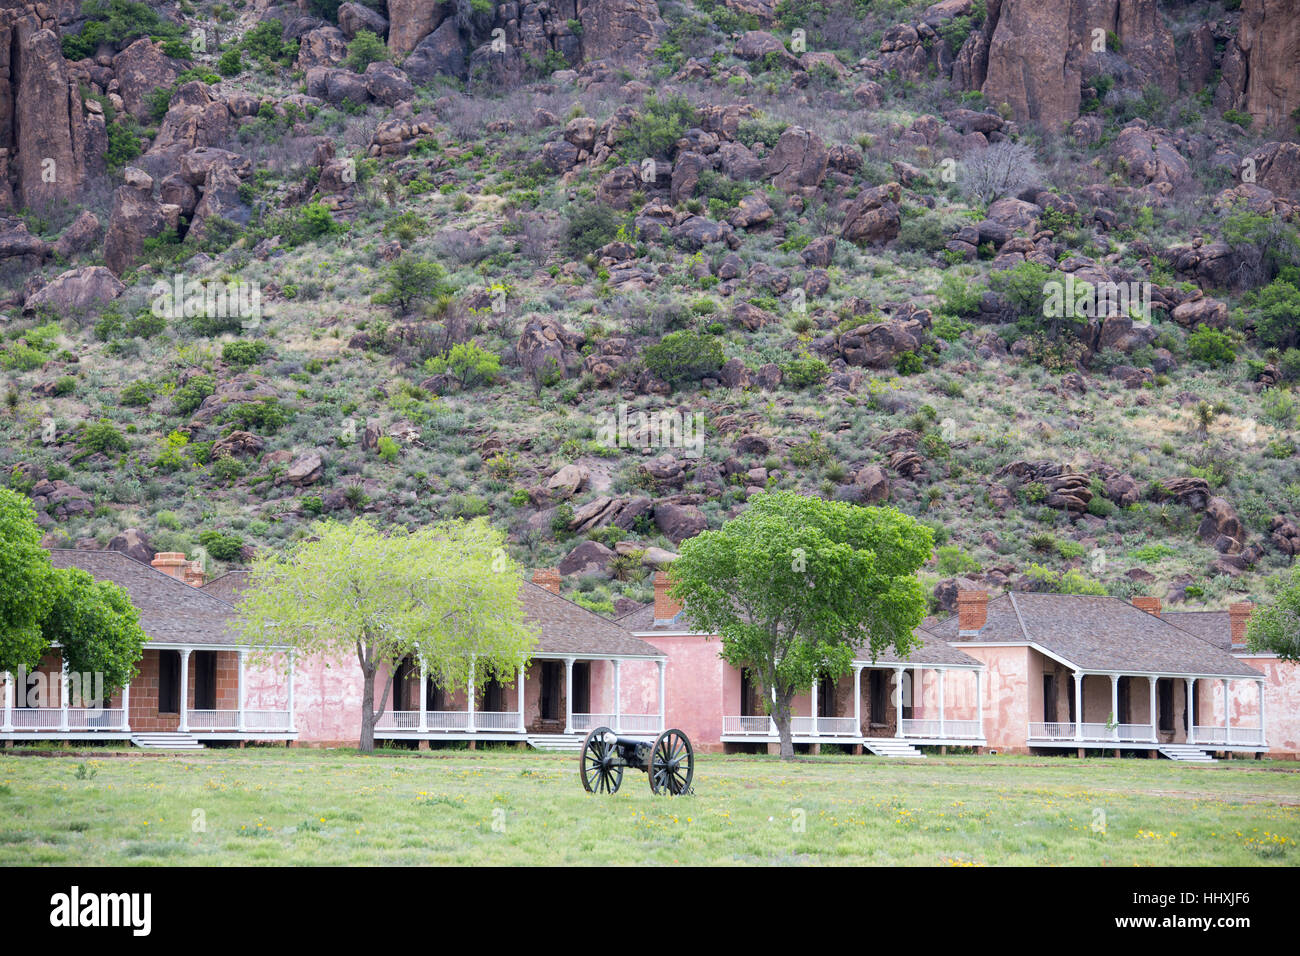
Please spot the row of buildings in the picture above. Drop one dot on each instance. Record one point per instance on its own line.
(1019, 673)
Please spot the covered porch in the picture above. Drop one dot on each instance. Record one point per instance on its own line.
(550, 697)
(922, 704)
(1088, 709)
(179, 689)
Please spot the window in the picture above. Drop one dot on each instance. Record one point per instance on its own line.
(581, 687)
(905, 694)
(825, 697)
(205, 680)
(400, 675)
(169, 682)
(434, 696)
(1049, 698)
(748, 695)
(877, 689)
(1125, 710)
(1165, 703)
(552, 676)
(493, 697)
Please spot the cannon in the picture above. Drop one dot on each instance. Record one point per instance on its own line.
(668, 760)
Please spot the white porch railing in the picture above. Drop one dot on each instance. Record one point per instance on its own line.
(37, 718)
(641, 723)
(1052, 730)
(1136, 733)
(213, 719)
(951, 728)
(496, 720)
(588, 722)
(266, 720)
(94, 718)
(838, 727)
(1230, 736)
(760, 726)
(1246, 735)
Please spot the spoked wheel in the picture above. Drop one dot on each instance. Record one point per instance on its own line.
(600, 773)
(672, 763)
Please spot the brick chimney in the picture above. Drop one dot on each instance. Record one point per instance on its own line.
(193, 574)
(171, 563)
(548, 578)
(972, 610)
(665, 607)
(1238, 618)
(1149, 604)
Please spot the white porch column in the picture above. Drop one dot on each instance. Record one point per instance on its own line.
(1191, 709)
(568, 695)
(1155, 720)
(1078, 705)
(63, 691)
(663, 709)
(1227, 734)
(424, 696)
(522, 698)
(293, 662)
(126, 707)
(242, 654)
(1259, 687)
(814, 707)
(939, 672)
(618, 695)
(857, 701)
(7, 722)
(183, 706)
(979, 702)
(470, 692)
(1114, 703)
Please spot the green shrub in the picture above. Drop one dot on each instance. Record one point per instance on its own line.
(101, 436)
(590, 227)
(137, 394)
(190, 396)
(388, 449)
(804, 372)
(223, 547)
(1277, 314)
(244, 353)
(951, 560)
(661, 123)
(231, 63)
(409, 280)
(366, 48)
(684, 356)
(467, 363)
(266, 415)
(909, 363)
(1211, 347)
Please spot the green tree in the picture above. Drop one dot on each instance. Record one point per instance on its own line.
(467, 363)
(797, 586)
(365, 48)
(27, 586)
(1276, 628)
(447, 594)
(684, 356)
(96, 626)
(410, 279)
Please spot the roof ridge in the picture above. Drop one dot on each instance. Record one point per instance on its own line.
(1019, 619)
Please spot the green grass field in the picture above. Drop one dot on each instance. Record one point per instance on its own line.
(279, 806)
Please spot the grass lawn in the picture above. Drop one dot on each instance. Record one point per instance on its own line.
(280, 806)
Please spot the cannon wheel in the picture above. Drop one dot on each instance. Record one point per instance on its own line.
(672, 763)
(598, 774)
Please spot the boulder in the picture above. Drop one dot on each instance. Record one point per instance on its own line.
(388, 85)
(760, 45)
(441, 53)
(325, 46)
(79, 237)
(679, 522)
(1150, 157)
(198, 163)
(134, 544)
(305, 470)
(590, 557)
(355, 17)
(622, 31)
(874, 484)
(1259, 67)
(220, 203)
(79, 291)
(798, 161)
(874, 216)
(140, 69)
(568, 481)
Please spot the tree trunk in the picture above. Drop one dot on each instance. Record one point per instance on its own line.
(781, 717)
(367, 744)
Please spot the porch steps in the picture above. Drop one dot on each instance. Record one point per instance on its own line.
(556, 743)
(166, 741)
(1186, 753)
(887, 747)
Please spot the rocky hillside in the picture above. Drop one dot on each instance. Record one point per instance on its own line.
(1028, 270)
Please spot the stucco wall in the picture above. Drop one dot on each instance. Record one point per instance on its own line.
(1281, 704)
(1007, 694)
(699, 688)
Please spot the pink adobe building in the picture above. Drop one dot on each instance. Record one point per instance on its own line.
(1020, 673)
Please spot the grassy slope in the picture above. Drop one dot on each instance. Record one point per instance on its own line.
(326, 807)
(472, 179)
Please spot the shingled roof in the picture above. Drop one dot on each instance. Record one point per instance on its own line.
(171, 612)
(1098, 633)
(1214, 627)
(933, 649)
(565, 628)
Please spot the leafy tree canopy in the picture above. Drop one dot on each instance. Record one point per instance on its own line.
(1276, 628)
